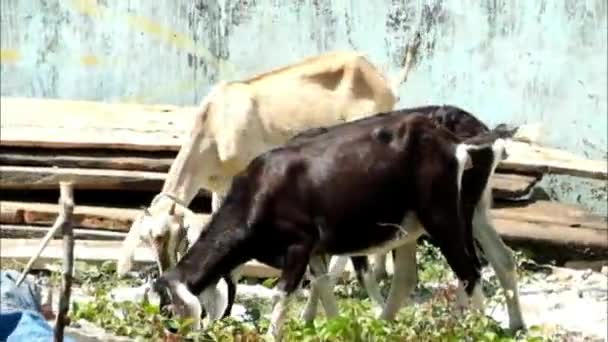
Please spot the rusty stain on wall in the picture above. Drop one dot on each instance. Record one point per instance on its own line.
(9, 56)
(87, 7)
(164, 33)
(89, 60)
(173, 38)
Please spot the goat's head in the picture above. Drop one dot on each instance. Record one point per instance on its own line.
(163, 230)
(176, 299)
(162, 227)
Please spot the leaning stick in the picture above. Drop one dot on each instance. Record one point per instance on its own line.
(67, 202)
(408, 61)
(65, 214)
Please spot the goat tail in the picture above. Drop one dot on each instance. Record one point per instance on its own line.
(126, 256)
(528, 133)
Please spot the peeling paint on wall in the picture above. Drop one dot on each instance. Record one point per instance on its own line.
(506, 61)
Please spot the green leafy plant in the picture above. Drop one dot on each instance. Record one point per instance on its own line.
(433, 320)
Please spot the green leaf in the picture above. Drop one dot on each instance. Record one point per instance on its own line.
(270, 282)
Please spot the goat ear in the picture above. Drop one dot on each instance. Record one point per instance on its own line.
(146, 211)
(172, 209)
(179, 214)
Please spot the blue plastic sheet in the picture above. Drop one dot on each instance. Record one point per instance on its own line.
(20, 317)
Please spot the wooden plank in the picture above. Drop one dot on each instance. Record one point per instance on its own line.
(505, 186)
(553, 213)
(12, 231)
(36, 122)
(561, 242)
(44, 178)
(120, 219)
(512, 186)
(524, 157)
(92, 217)
(19, 250)
(39, 178)
(549, 232)
(92, 159)
(33, 122)
(542, 223)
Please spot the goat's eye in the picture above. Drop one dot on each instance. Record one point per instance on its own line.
(157, 239)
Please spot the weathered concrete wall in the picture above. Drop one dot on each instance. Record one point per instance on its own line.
(504, 60)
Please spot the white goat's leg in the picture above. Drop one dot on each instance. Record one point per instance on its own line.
(404, 279)
(337, 265)
(323, 284)
(501, 258)
(310, 309)
(366, 278)
(380, 266)
(373, 290)
(281, 302)
(191, 303)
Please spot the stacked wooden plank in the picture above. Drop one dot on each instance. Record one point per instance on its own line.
(119, 149)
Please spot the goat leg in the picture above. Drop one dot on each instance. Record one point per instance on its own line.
(296, 261)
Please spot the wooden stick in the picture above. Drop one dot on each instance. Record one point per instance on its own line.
(97, 252)
(14, 231)
(41, 178)
(90, 159)
(62, 219)
(67, 202)
(411, 50)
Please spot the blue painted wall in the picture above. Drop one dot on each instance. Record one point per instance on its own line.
(504, 60)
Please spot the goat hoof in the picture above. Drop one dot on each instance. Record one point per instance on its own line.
(377, 312)
(273, 335)
(517, 326)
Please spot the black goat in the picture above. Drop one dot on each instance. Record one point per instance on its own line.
(343, 192)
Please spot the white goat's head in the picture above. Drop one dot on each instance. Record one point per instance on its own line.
(161, 227)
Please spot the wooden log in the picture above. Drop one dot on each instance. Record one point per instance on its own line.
(84, 216)
(19, 250)
(545, 212)
(549, 219)
(87, 124)
(525, 157)
(513, 186)
(553, 233)
(552, 241)
(91, 159)
(44, 178)
(96, 217)
(92, 217)
(13, 231)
